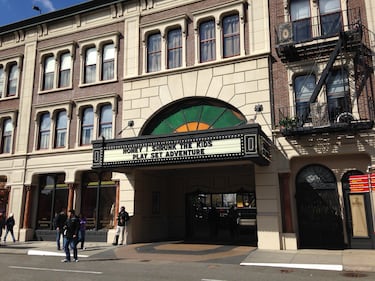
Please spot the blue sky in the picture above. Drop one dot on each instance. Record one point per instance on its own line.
(15, 10)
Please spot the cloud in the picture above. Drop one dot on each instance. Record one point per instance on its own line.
(46, 4)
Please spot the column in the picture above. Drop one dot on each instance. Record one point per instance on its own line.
(70, 196)
(26, 214)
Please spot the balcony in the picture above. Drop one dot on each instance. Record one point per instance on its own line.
(322, 118)
(317, 36)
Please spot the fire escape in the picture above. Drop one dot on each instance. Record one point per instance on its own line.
(337, 46)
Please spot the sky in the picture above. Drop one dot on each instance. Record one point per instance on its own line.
(16, 10)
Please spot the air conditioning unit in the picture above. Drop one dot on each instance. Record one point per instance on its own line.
(345, 117)
(285, 33)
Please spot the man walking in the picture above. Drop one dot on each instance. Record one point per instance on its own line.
(60, 220)
(122, 220)
(71, 229)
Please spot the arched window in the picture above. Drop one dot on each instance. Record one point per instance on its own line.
(49, 71)
(106, 121)
(154, 52)
(207, 38)
(174, 48)
(12, 80)
(108, 63)
(90, 65)
(44, 131)
(65, 70)
(6, 143)
(87, 126)
(231, 36)
(61, 129)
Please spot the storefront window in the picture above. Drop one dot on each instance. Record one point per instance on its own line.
(98, 200)
(53, 198)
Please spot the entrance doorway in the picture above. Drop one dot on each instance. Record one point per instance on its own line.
(221, 217)
(319, 213)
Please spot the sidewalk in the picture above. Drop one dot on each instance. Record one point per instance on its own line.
(338, 260)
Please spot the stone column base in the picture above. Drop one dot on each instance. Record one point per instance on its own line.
(26, 234)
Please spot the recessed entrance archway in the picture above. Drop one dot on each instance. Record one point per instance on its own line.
(319, 213)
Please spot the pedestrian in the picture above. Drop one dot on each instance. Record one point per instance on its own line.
(121, 229)
(82, 230)
(2, 225)
(9, 223)
(71, 229)
(59, 222)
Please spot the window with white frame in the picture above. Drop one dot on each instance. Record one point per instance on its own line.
(154, 52)
(61, 129)
(12, 84)
(7, 132)
(99, 59)
(96, 117)
(56, 68)
(105, 128)
(164, 44)
(231, 36)
(303, 88)
(207, 39)
(174, 48)
(220, 32)
(9, 77)
(44, 131)
(309, 22)
(87, 126)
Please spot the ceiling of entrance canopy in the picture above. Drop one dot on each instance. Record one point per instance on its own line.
(194, 115)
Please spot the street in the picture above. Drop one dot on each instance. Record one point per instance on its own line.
(16, 267)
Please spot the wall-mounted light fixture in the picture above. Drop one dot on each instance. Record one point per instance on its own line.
(258, 108)
(130, 125)
(36, 8)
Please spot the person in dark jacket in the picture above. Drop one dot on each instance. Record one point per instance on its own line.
(60, 220)
(2, 224)
(71, 229)
(122, 220)
(9, 223)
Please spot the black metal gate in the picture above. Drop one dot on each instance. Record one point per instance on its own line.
(319, 213)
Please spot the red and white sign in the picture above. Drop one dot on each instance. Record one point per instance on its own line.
(362, 183)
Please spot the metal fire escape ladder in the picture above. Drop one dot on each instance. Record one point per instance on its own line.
(326, 70)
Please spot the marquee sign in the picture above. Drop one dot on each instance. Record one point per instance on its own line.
(362, 183)
(245, 142)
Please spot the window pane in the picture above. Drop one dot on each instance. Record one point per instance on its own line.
(108, 62)
(231, 36)
(106, 121)
(300, 16)
(303, 88)
(87, 126)
(338, 93)
(7, 135)
(13, 80)
(65, 69)
(61, 127)
(1, 81)
(49, 69)
(154, 52)
(207, 41)
(44, 131)
(174, 48)
(90, 65)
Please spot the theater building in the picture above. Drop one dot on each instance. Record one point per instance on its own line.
(180, 111)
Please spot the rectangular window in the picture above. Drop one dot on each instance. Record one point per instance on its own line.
(61, 124)
(65, 69)
(301, 19)
(207, 41)
(87, 126)
(330, 17)
(154, 53)
(90, 65)
(338, 93)
(231, 36)
(7, 136)
(49, 70)
(174, 48)
(303, 87)
(12, 80)
(44, 131)
(106, 121)
(108, 62)
(1, 82)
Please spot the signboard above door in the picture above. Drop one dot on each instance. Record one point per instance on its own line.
(247, 142)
